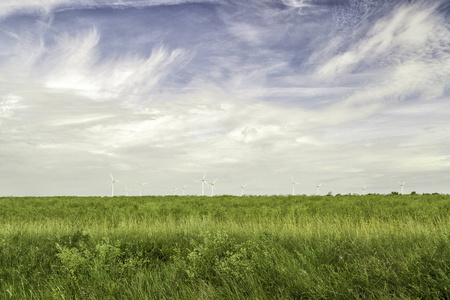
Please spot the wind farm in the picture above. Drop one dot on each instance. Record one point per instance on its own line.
(204, 183)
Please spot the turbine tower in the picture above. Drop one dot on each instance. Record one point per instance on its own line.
(242, 189)
(212, 186)
(364, 190)
(401, 187)
(184, 189)
(203, 183)
(113, 181)
(293, 185)
(318, 189)
(140, 187)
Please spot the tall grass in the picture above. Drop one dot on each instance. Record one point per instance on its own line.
(225, 247)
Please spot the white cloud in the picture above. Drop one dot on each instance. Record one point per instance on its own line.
(8, 7)
(40, 7)
(405, 57)
(410, 32)
(74, 64)
(9, 105)
(302, 5)
(247, 33)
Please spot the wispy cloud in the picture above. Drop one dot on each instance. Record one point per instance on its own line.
(73, 63)
(48, 6)
(401, 56)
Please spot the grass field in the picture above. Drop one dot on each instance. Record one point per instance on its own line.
(225, 247)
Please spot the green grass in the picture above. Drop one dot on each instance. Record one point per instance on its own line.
(225, 247)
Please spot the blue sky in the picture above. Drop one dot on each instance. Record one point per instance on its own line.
(346, 93)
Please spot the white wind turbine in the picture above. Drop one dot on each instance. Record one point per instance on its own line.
(113, 181)
(293, 185)
(140, 187)
(401, 187)
(184, 189)
(203, 181)
(127, 191)
(212, 186)
(318, 188)
(175, 190)
(242, 189)
(364, 190)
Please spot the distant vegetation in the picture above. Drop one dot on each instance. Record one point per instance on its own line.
(226, 247)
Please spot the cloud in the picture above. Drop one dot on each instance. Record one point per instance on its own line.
(73, 63)
(42, 7)
(8, 106)
(307, 7)
(401, 57)
(404, 34)
(10, 7)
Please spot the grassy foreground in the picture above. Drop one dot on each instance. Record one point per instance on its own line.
(225, 247)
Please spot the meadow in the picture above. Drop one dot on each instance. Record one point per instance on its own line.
(225, 247)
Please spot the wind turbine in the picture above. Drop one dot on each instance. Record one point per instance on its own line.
(140, 187)
(401, 187)
(242, 189)
(318, 188)
(203, 183)
(175, 190)
(184, 189)
(212, 186)
(127, 191)
(293, 185)
(113, 181)
(364, 190)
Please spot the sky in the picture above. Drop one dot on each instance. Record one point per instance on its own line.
(344, 93)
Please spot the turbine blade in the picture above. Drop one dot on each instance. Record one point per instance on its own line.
(111, 176)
